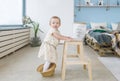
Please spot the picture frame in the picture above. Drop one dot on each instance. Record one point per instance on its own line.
(100, 2)
(87, 2)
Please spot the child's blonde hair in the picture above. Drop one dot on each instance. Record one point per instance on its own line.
(55, 17)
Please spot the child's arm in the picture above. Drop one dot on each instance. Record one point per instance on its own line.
(61, 37)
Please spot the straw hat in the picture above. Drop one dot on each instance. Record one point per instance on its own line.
(49, 72)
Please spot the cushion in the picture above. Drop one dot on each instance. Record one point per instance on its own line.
(114, 26)
(118, 28)
(98, 25)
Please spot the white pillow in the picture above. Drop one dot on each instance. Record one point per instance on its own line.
(79, 30)
(98, 25)
(114, 26)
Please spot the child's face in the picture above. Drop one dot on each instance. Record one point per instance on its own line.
(55, 23)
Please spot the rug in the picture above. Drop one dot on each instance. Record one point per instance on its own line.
(112, 64)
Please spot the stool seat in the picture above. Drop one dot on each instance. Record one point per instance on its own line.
(83, 60)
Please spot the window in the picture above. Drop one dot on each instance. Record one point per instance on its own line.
(11, 12)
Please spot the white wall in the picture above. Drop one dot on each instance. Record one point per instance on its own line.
(43, 10)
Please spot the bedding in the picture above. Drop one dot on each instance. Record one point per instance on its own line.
(103, 37)
(103, 40)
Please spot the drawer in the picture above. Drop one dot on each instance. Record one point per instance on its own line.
(12, 45)
(2, 33)
(8, 37)
(13, 40)
(13, 49)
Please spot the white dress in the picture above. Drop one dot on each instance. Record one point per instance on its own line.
(48, 47)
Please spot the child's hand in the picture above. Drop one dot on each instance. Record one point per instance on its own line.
(69, 39)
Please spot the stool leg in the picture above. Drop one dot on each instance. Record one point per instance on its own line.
(63, 61)
(84, 66)
(78, 49)
(63, 57)
(63, 71)
(63, 68)
(89, 71)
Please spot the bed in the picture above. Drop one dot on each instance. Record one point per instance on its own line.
(103, 40)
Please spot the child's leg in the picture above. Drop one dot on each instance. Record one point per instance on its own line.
(46, 66)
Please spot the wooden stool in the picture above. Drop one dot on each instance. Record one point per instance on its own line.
(83, 60)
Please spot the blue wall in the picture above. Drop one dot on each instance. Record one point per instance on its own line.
(96, 14)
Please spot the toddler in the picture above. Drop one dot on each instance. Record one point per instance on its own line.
(48, 47)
